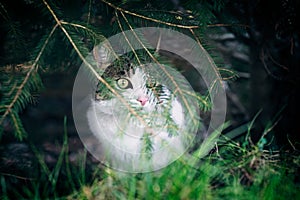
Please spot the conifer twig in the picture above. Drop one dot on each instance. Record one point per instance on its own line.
(229, 71)
(33, 68)
(78, 26)
(126, 38)
(148, 18)
(219, 78)
(228, 25)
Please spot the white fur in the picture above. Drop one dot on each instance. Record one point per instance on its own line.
(119, 132)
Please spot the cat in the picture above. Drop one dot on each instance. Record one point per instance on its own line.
(143, 127)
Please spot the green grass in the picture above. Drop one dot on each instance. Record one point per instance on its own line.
(233, 170)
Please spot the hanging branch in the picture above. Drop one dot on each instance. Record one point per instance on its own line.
(33, 68)
(90, 67)
(147, 18)
(178, 89)
(126, 38)
(18, 89)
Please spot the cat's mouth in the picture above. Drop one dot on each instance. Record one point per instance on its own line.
(149, 111)
(144, 104)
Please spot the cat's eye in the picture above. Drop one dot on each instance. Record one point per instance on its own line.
(124, 83)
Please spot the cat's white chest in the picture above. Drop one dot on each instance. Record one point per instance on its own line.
(121, 134)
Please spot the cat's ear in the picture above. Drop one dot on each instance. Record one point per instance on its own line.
(104, 55)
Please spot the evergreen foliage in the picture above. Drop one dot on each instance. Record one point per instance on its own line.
(71, 32)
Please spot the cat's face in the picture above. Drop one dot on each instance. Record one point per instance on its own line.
(132, 86)
(135, 86)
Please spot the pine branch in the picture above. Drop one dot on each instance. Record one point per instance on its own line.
(218, 81)
(90, 67)
(147, 147)
(131, 47)
(148, 18)
(85, 30)
(204, 104)
(13, 104)
(15, 36)
(164, 70)
(228, 74)
(21, 88)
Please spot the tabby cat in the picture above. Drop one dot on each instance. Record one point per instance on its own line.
(140, 123)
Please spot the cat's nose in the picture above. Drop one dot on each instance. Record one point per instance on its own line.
(143, 100)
